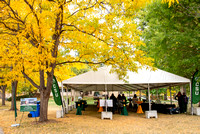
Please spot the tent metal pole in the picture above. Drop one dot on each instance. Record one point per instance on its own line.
(106, 97)
(63, 108)
(67, 100)
(74, 99)
(149, 97)
(170, 94)
(192, 109)
(71, 98)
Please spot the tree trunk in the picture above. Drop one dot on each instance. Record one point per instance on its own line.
(14, 91)
(44, 95)
(44, 99)
(3, 88)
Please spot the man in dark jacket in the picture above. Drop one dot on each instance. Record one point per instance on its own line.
(112, 97)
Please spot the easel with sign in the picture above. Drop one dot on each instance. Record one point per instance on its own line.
(28, 105)
(106, 103)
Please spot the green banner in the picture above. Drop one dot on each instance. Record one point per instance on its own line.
(195, 88)
(56, 92)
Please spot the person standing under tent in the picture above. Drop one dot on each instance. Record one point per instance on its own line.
(185, 102)
(112, 97)
(119, 103)
(123, 98)
(179, 97)
(134, 101)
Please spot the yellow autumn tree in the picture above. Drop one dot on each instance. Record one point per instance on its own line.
(39, 35)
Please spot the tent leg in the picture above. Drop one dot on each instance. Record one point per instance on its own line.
(63, 108)
(67, 101)
(71, 99)
(149, 97)
(106, 96)
(74, 99)
(170, 94)
(192, 109)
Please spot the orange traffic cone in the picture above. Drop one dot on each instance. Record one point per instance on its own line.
(100, 109)
(139, 110)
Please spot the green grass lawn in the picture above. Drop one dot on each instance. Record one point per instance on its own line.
(89, 100)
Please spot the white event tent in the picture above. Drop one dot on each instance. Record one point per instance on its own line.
(144, 79)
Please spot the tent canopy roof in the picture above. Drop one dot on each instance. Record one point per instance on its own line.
(96, 80)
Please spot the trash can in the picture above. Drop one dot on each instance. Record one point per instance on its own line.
(35, 113)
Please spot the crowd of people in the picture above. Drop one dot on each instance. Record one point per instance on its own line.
(117, 103)
(121, 99)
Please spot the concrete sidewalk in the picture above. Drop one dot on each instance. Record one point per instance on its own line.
(1, 131)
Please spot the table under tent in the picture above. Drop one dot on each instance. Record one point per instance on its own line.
(103, 80)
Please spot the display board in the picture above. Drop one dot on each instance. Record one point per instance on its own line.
(104, 102)
(28, 104)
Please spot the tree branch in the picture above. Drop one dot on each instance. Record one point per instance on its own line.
(11, 29)
(8, 33)
(84, 62)
(32, 9)
(14, 13)
(33, 41)
(101, 5)
(91, 34)
(81, 10)
(31, 81)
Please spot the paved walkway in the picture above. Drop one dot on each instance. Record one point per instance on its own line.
(1, 131)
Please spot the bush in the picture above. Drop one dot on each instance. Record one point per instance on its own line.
(22, 96)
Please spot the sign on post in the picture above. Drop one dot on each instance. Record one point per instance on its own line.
(28, 104)
(103, 103)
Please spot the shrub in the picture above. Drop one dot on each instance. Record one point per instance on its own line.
(21, 96)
